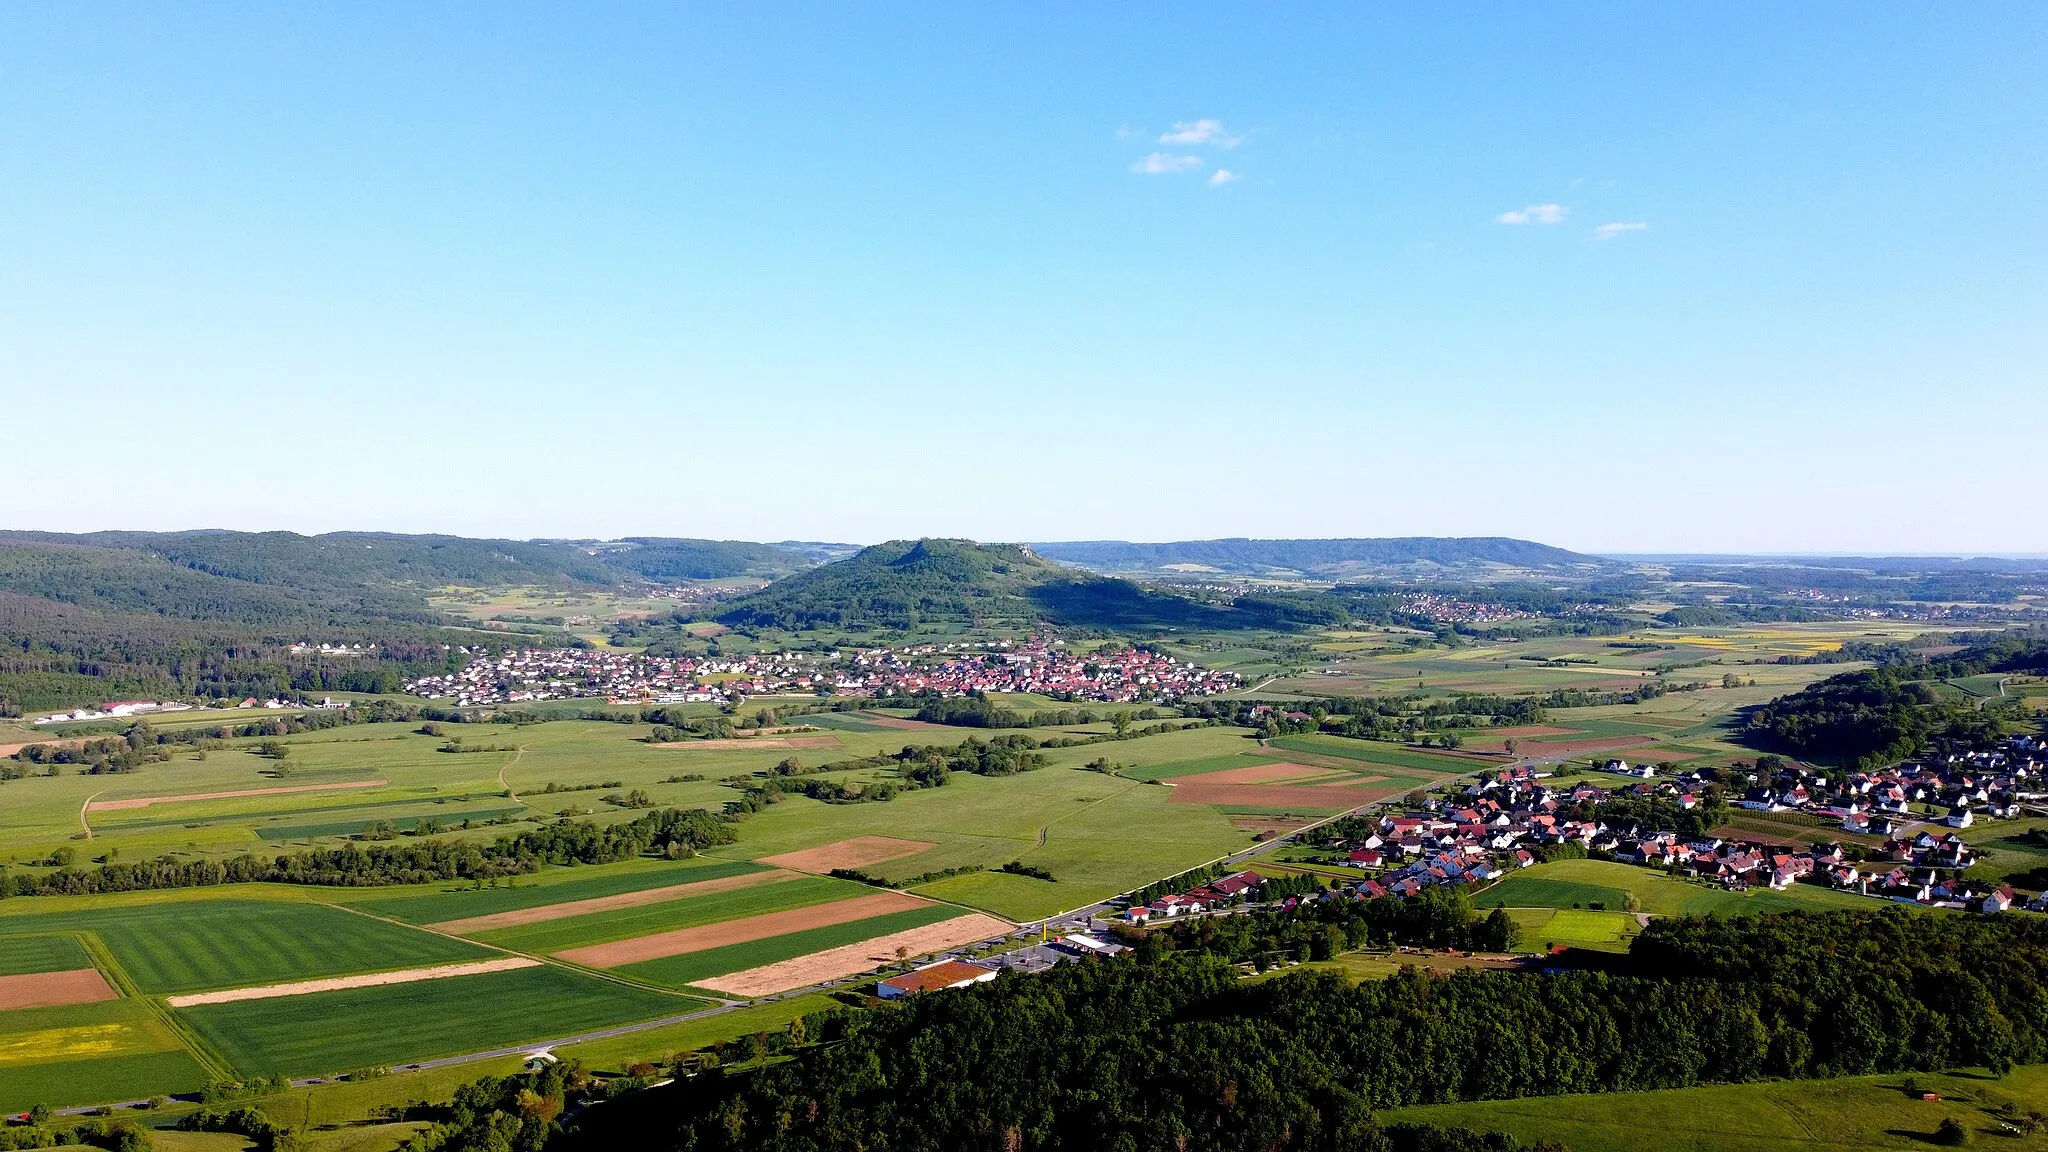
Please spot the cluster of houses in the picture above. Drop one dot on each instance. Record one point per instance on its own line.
(941, 975)
(308, 648)
(114, 710)
(1507, 820)
(1118, 675)
(1883, 802)
(1236, 888)
(1037, 665)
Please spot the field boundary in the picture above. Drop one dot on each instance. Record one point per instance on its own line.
(344, 983)
(201, 1052)
(543, 913)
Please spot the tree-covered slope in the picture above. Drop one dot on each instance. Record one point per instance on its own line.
(1895, 710)
(904, 583)
(1325, 557)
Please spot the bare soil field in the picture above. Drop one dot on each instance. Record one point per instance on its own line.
(853, 959)
(858, 852)
(146, 801)
(570, 908)
(1200, 791)
(742, 742)
(684, 940)
(340, 983)
(1574, 747)
(1271, 774)
(54, 989)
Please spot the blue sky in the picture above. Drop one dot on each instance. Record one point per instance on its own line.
(1633, 278)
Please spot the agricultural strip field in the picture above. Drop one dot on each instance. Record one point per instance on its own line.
(51, 989)
(551, 886)
(858, 852)
(1857, 1114)
(1380, 752)
(852, 959)
(756, 926)
(368, 980)
(596, 904)
(195, 945)
(707, 912)
(691, 967)
(88, 1053)
(56, 952)
(1177, 769)
(334, 1031)
(147, 801)
(350, 827)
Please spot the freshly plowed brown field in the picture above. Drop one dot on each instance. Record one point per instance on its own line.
(697, 939)
(54, 989)
(853, 959)
(146, 801)
(858, 852)
(570, 908)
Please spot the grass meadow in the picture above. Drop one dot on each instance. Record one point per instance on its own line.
(1857, 1114)
(335, 1031)
(1565, 884)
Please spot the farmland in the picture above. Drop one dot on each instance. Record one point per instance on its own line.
(335, 1031)
(1568, 884)
(686, 969)
(86, 1053)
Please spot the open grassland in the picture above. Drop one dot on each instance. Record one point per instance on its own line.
(716, 908)
(335, 1031)
(195, 945)
(53, 952)
(1568, 884)
(440, 903)
(687, 969)
(1857, 1114)
(656, 1044)
(88, 1053)
(1539, 928)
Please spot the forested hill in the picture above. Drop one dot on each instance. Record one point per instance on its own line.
(112, 614)
(903, 583)
(1900, 709)
(1316, 557)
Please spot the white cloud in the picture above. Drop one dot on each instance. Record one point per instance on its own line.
(1535, 214)
(1162, 163)
(1619, 227)
(1201, 132)
(1222, 176)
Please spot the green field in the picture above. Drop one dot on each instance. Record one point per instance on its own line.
(553, 886)
(335, 1031)
(1380, 752)
(657, 1044)
(717, 907)
(171, 946)
(1857, 1114)
(685, 970)
(349, 824)
(1565, 883)
(57, 952)
(87, 1053)
(1538, 928)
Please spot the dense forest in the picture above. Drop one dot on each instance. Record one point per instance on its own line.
(1167, 1048)
(1898, 709)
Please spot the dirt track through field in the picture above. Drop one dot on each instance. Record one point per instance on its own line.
(853, 959)
(1279, 795)
(686, 940)
(54, 989)
(146, 801)
(570, 908)
(341, 983)
(858, 852)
